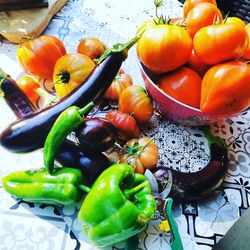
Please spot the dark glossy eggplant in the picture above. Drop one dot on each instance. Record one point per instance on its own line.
(29, 133)
(182, 186)
(97, 134)
(14, 96)
(91, 164)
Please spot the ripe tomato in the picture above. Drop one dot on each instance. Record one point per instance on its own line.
(147, 24)
(196, 64)
(247, 52)
(29, 86)
(202, 15)
(70, 71)
(125, 124)
(120, 82)
(91, 47)
(135, 100)
(222, 42)
(181, 21)
(141, 154)
(235, 20)
(189, 4)
(225, 88)
(163, 48)
(184, 85)
(38, 56)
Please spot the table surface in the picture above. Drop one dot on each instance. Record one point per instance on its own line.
(201, 223)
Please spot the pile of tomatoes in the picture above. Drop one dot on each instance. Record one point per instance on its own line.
(200, 59)
(45, 57)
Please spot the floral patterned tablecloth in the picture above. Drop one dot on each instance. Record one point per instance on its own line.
(201, 223)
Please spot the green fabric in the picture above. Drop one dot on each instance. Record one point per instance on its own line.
(118, 206)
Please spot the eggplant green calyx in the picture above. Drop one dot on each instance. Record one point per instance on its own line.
(119, 47)
(118, 206)
(69, 120)
(213, 139)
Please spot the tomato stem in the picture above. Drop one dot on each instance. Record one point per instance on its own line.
(64, 77)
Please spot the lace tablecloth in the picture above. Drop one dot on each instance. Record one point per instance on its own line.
(201, 223)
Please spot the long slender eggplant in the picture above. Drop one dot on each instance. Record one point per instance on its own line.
(181, 186)
(29, 133)
(91, 164)
(14, 96)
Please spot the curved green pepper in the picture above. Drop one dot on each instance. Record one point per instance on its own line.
(118, 206)
(62, 188)
(69, 120)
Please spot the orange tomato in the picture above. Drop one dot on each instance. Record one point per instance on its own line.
(202, 15)
(141, 154)
(163, 48)
(196, 64)
(91, 47)
(121, 82)
(29, 86)
(221, 42)
(225, 88)
(147, 24)
(183, 85)
(235, 20)
(135, 100)
(38, 56)
(70, 71)
(189, 4)
(247, 52)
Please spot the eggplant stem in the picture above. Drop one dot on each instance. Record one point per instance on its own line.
(3, 76)
(213, 139)
(119, 47)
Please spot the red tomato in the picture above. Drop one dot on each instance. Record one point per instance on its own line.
(70, 71)
(202, 15)
(183, 85)
(135, 100)
(247, 52)
(91, 47)
(222, 42)
(29, 86)
(163, 48)
(141, 154)
(196, 64)
(225, 88)
(125, 124)
(120, 82)
(38, 56)
(189, 4)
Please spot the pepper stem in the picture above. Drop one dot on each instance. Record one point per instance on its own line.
(119, 47)
(48, 98)
(84, 188)
(129, 193)
(86, 108)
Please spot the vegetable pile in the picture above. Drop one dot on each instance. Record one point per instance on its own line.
(119, 189)
(200, 59)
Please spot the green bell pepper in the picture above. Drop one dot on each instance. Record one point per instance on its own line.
(62, 187)
(118, 206)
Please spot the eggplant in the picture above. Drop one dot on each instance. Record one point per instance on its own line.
(29, 133)
(97, 134)
(182, 186)
(14, 96)
(91, 164)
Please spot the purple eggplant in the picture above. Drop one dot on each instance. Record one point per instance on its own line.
(97, 134)
(182, 186)
(14, 96)
(29, 133)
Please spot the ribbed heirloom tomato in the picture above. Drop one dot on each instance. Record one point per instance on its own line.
(135, 100)
(221, 42)
(70, 71)
(184, 85)
(189, 4)
(247, 52)
(202, 15)
(164, 47)
(38, 56)
(225, 88)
